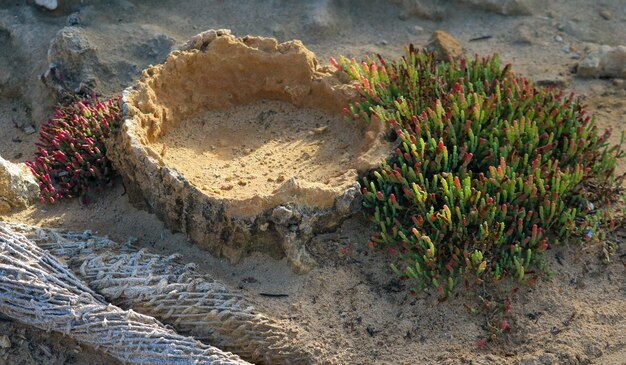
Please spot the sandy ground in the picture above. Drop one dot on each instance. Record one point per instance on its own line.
(352, 302)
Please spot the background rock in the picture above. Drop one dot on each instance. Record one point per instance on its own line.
(606, 61)
(18, 188)
(444, 45)
(74, 56)
(48, 4)
(416, 8)
(504, 7)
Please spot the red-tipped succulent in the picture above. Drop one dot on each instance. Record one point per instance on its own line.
(71, 156)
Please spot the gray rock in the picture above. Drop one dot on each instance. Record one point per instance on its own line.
(156, 48)
(523, 35)
(5, 342)
(416, 8)
(504, 7)
(27, 37)
(606, 14)
(606, 61)
(282, 215)
(28, 129)
(48, 4)
(73, 19)
(553, 81)
(579, 31)
(72, 52)
(350, 201)
(321, 19)
(18, 187)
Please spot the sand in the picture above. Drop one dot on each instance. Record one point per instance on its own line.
(351, 302)
(250, 150)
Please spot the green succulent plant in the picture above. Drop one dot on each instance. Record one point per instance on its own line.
(490, 170)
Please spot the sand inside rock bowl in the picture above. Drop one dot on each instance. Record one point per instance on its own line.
(251, 150)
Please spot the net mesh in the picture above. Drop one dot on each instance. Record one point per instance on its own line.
(39, 290)
(176, 294)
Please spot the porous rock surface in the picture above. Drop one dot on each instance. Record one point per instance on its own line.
(18, 187)
(217, 71)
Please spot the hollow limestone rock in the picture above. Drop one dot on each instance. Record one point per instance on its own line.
(271, 163)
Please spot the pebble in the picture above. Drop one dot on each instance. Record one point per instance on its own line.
(73, 19)
(383, 42)
(444, 45)
(523, 34)
(5, 342)
(29, 129)
(606, 14)
(558, 38)
(417, 29)
(619, 83)
(553, 82)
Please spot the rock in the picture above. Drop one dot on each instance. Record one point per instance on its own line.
(553, 82)
(73, 19)
(504, 7)
(606, 61)
(350, 201)
(5, 342)
(444, 46)
(523, 35)
(282, 215)
(321, 19)
(278, 220)
(416, 8)
(48, 4)
(577, 30)
(18, 187)
(73, 57)
(418, 30)
(28, 129)
(607, 15)
(155, 48)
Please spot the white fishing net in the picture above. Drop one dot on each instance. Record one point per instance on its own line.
(174, 293)
(39, 290)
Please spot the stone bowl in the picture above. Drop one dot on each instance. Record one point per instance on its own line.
(240, 144)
